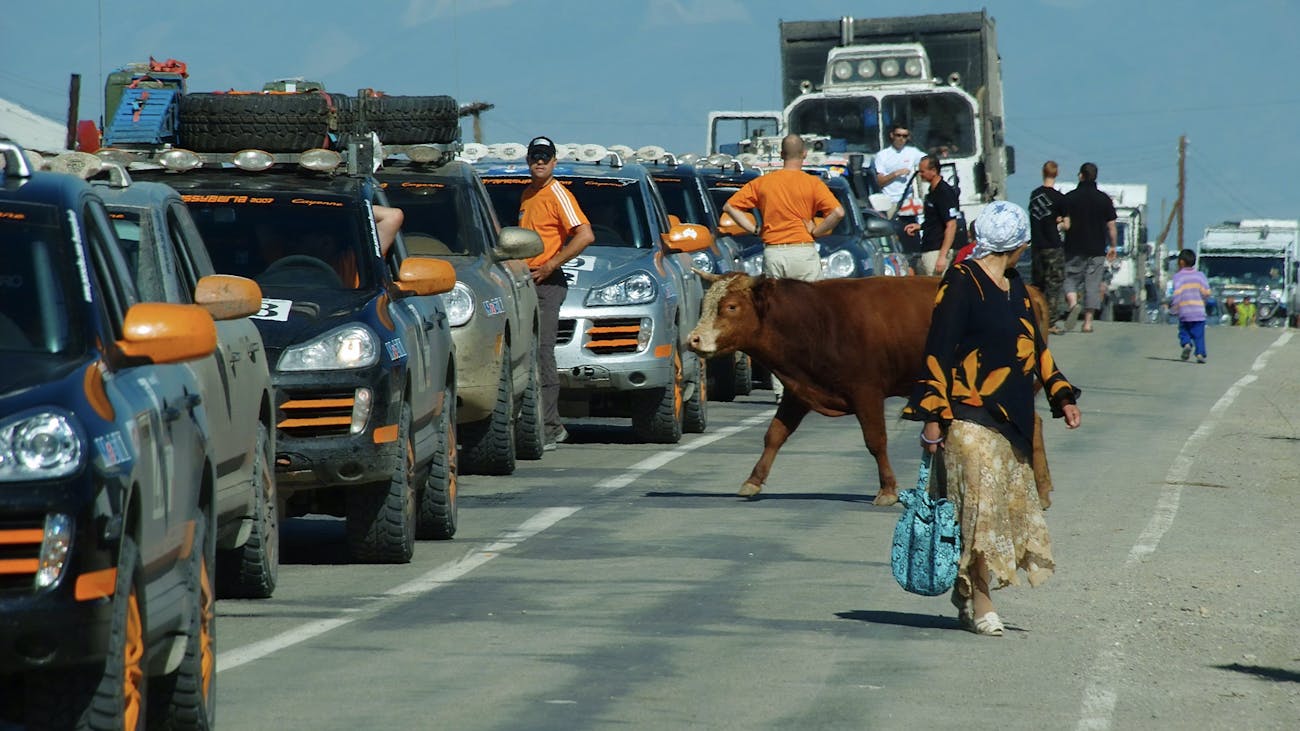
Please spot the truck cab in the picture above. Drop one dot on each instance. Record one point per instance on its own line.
(1255, 258)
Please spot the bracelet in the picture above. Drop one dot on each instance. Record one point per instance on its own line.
(927, 441)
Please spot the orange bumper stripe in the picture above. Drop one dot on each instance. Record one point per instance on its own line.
(96, 584)
(19, 565)
(322, 403)
(612, 344)
(614, 329)
(19, 537)
(318, 421)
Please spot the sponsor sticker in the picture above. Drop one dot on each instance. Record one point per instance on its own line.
(494, 306)
(273, 310)
(112, 449)
(583, 263)
(396, 349)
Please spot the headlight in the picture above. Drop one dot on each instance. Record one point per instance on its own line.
(753, 265)
(703, 260)
(39, 446)
(837, 265)
(459, 303)
(348, 347)
(631, 290)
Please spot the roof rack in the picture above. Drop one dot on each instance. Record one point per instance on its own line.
(91, 167)
(567, 152)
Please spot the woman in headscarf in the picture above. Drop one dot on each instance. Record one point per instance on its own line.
(976, 399)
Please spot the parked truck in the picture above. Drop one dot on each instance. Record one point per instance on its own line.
(1126, 291)
(1255, 258)
(845, 81)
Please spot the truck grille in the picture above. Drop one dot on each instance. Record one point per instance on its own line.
(564, 331)
(614, 335)
(20, 552)
(307, 415)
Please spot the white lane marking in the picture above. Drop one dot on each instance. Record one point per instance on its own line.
(1099, 696)
(449, 572)
(659, 459)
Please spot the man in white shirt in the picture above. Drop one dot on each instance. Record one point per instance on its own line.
(894, 166)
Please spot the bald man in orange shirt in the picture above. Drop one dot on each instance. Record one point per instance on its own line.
(788, 200)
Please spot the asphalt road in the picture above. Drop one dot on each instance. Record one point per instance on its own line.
(619, 585)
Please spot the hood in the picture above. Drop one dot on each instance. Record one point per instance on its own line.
(297, 315)
(33, 380)
(597, 266)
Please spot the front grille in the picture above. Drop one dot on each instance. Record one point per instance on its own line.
(20, 552)
(564, 331)
(314, 414)
(614, 335)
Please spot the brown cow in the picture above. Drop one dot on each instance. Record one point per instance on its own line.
(840, 346)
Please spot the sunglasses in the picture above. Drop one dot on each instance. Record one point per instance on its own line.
(539, 158)
(904, 135)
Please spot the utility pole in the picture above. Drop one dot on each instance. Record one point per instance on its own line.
(74, 97)
(474, 109)
(1182, 185)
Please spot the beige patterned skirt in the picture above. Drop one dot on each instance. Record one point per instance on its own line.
(993, 491)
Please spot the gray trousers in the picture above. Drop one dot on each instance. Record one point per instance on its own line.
(550, 295)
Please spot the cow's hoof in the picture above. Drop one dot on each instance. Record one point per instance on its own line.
(884, 499)
(749, 489)
(1044, 501)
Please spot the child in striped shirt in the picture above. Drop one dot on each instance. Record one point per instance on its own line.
(1190, 290)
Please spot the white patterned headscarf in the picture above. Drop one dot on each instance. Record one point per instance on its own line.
(1001, 226)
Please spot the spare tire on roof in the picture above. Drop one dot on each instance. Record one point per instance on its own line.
(223, 122)
(405, 120)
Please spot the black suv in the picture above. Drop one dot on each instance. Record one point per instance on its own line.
(361, 356)
(107, 520)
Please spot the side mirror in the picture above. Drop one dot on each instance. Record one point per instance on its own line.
(877, 226)
(727, 226)
(421, 275)
(518, 243)
(685, 238)
(162, 332)
(673, 220)
(228, 297)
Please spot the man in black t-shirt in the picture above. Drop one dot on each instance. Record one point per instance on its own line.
(1046, 218)
(939, 225)
(1089, 243)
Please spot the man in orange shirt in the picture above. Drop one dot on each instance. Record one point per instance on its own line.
(788, 199)
(548, 208)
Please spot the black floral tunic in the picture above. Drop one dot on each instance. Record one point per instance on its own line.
(981, 357)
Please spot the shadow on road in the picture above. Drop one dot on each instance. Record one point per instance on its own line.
(901, 619)
(314, 542)
(1279, 674)
(843, 497)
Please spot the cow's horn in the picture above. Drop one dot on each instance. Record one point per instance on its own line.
(709, 277)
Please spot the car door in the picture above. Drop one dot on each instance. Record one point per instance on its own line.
(516, 279)
(691, 291)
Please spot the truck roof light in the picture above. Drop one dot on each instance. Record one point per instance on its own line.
(179, 160)
(889, 68)
(912, 67)
(253, 161)
(843, 70)
(867, 69)
(320, 160)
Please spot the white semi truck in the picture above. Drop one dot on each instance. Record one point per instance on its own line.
(1255, 258)
(845, 81)
(1126, 293)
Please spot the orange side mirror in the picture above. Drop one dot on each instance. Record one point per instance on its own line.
(228, 297)
(422, 275)
(687, 238)
(727, 225)
(168, 333)
(673, 220)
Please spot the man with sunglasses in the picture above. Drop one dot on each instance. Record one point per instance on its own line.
(548, 208)
(894, 166)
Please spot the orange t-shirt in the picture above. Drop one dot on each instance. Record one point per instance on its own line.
(553, 213)
(786, 198)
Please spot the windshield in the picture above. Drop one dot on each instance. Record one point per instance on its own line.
(614, 206)
(845, 226)
(941, 123)
(730, 132)
(1260, 271)
(39, 282)
(437, 218)
(682, 199)
(295, 240)
(856, 120)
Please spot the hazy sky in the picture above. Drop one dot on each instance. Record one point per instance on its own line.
(1109, 81)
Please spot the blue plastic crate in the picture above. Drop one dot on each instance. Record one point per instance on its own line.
(145, 116)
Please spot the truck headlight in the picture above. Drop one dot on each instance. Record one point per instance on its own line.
(352, 346)
(633, 289)
(703, 260)
(459, 303)
(39, 446)
(838, 264)
(753, 265)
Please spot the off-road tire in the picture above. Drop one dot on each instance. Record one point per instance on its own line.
(186, 699)
(530, 429)
(405, 120)
(438, 513)
(657, 413)
(381, 517)
(695, 411)
(488, 446)
(743, 374)
(252, 570)
(95, 698)
(270, 122)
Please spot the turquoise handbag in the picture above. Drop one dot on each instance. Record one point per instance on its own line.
(927, 539)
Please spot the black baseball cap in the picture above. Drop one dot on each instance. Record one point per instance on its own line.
(541, 147)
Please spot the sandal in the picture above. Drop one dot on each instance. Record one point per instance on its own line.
(989, 625)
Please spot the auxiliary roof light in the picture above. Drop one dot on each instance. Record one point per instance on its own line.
(179, 160)
(510, 151)
(423, 153)
(718, 159)
(474, 151)
(320, 159)
(689, 158)
(254, 161)
(843, 70)
(35, 160)
(592, 153)
(82, 164)
(889, 68)
(650, 152)
(867, 69)
(623, 151)
(912, 67)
